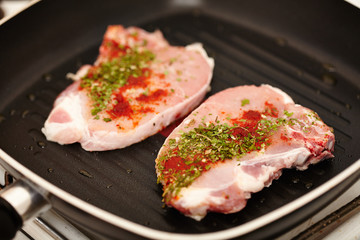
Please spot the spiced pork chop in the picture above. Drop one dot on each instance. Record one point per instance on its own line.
(235, 144)
(138, 85)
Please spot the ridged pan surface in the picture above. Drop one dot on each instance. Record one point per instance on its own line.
(123, 181)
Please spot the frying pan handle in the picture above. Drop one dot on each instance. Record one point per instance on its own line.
(19, 202)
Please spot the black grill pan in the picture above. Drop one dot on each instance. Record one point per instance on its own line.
(308, 49)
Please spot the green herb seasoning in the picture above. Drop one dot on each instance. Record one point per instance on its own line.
(245, 101)
(287, 113)
(101, 81)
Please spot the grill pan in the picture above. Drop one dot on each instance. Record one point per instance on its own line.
(308, 49)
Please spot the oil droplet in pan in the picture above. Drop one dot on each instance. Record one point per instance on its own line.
(12, 112)
(300, 73)
(281, 41)
(47, 77)
(2, 118)
(31, 97)
(329, 67)
(329, 80)
(308, 185)
(25, 113)
(295, 179)
(85, 173)
(41, 144)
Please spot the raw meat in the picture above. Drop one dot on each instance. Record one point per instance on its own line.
(138, 85)
(235, 144)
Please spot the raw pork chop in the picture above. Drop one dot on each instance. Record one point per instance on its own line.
(138, 85)
(235, 144)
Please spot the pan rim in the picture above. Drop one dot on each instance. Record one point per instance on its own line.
(158, 234)
(28, 5)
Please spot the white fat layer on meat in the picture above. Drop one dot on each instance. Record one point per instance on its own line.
(287, 99)
(197, 47)
(71, 104)
(193, 197)
(270, 163)
(80, 73)
(330, 144)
